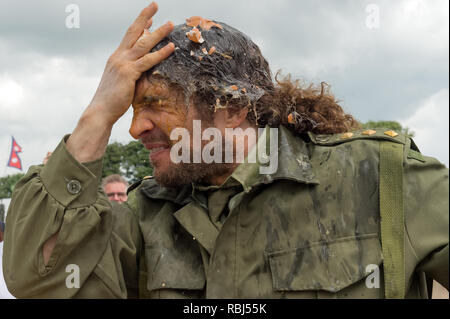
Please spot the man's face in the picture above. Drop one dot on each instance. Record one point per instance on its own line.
(158, 109)
(116, 192)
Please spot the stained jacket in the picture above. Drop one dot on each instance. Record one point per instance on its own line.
(310, 230)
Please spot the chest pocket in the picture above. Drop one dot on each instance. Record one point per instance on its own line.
(178, 266)
(327, 266)
(173, 262)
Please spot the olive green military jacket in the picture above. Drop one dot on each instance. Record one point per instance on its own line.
(310, 230)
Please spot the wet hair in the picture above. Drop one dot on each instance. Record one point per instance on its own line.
(115, 178)
(227, 70)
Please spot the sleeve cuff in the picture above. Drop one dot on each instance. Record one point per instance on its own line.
(71, 183)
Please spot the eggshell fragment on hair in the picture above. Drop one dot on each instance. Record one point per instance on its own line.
(205, 24)
(291, 118)
(212, 50)
(193, 21)
(195, 36)
(226, 56)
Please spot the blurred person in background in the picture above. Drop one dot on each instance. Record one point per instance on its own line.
(115, 187)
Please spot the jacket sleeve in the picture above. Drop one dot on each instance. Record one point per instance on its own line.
(426, 213)
(96, 251)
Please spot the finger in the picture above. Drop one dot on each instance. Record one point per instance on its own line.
(136, 28)
(149, 23)
(148, 40)
(151, 59)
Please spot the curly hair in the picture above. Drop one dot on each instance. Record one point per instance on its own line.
(297, 106)
(301, 108)
(237, 76)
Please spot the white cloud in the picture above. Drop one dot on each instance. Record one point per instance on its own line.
(11, 93)
(430, 124)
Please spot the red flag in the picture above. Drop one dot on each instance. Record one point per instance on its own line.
(14, 159)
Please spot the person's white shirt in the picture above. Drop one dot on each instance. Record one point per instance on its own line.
(4, 293)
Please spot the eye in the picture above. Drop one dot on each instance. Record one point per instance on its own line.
(155, 103)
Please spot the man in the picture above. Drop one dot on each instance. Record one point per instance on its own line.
(4, 293)
(115, 188)
(300, 218)
(2, 229)
(2, 219)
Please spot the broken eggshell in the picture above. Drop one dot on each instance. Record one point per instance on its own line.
(195, 68)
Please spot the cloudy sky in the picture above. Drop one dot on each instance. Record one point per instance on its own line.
(394, 67)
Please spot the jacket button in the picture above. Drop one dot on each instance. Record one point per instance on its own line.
(74, 187)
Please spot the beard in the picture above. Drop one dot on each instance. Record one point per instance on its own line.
(177, 175)
(180, 174)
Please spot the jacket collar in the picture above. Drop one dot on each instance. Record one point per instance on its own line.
(180, 196)
(293, 162)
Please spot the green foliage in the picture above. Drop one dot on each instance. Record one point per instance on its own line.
(393, 125)
(129, 160)
(112, 159)
(137, 164)
(7, 184)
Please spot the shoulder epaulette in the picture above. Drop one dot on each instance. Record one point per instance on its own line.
(368, 134)
(135, 185)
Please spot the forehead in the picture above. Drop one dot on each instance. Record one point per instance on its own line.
(156, 87)
(115, 187)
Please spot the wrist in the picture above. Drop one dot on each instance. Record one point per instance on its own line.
(89, 139)
(94, 116)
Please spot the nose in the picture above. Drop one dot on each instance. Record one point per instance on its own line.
(140, 123)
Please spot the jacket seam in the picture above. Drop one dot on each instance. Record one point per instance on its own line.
(410, 242)
(104, 283)
(405, 217)
(276, 253)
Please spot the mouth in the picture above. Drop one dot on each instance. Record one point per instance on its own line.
(156, 150)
